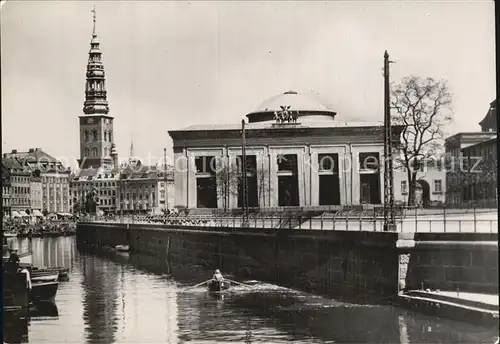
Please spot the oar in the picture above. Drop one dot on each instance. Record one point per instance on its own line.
(194, 286)
(243, 284)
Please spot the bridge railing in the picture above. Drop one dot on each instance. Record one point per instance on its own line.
(366, 220)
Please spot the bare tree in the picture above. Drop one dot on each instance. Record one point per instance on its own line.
(423, 107)
(264, 185)
(227, 183)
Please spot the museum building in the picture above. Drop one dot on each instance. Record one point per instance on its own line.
(297, 154)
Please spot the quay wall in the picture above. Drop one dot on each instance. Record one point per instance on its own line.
(465, 262)
(337, 263)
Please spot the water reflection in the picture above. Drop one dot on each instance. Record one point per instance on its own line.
(129, 298)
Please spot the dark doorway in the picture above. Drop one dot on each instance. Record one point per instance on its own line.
(369, 188)
(329, 193)
(206, 192)
(426, 192)
(288, 187)
(329, 185)
(251, 170)
(253, 199)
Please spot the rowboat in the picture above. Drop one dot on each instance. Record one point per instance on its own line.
(122, 248)
(218, 286)
(44, 275)
(44, 291)
(62, 273)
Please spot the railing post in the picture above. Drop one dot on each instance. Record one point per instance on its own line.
(300, 222)
(444, 218)
(491, 226)
(459, 226)
(360, 221)
(374, 220)
(322, 214)
(416, 219)
(475, 222)
(255, 220)
(430, 226)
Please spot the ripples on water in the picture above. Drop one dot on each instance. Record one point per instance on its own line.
(121, 298)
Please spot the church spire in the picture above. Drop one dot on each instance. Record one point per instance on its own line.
(96, 102)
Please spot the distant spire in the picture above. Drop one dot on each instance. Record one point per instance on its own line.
(93, 17)
(96, 102)
(131, 156)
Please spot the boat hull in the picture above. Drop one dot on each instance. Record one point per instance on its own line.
(122, 248)
(44, 276)
(218, 286)
(44, 291)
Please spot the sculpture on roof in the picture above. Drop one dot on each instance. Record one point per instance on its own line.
(286, 115)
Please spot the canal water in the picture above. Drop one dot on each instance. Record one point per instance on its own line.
(127, 298)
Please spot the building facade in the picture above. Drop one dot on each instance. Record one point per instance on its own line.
(54, 176)
(296, 154)
(36, 199)
(469, 148)
(430, 187)
(6, 188)
(98, 183)
(480, 174)
(20, 184)
(142, 189)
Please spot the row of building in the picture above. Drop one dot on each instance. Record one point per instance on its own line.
(35, 183)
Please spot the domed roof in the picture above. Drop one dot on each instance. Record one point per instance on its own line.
(304, 104)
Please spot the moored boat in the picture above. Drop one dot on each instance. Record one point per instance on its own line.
(218, 286)
(122, 248)
(44, 275)
(43, 291)
(62, 273)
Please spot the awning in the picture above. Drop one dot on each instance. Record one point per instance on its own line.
(37, 213)
(22, 213)
(15, 214)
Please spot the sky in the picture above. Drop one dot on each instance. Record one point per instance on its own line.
(174, 64)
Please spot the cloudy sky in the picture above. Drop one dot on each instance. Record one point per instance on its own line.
(174, 64)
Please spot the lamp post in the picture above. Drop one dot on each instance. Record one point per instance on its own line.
(389, 223)
(244, 172)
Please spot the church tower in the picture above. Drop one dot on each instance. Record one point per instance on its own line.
(96, 125)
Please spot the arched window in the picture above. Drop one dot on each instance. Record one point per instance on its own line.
(109, 137)
(105, 151)
(94, 151)
(94, 134)
(87, 152)
(105, 136)
(86, 135)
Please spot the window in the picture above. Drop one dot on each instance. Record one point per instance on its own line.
(205, 164)
(404, 187)
(287, 162)
(438, 187)
(369, 161)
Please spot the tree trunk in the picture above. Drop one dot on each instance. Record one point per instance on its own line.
(412, 187)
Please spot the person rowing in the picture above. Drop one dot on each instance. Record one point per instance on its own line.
(218, 276)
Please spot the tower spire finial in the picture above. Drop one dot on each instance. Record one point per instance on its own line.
(93, 17)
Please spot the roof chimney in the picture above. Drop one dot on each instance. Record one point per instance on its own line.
(31, 150)
(14, 151)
